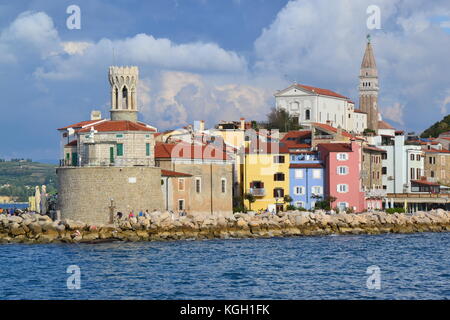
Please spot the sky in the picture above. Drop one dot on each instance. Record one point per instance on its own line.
(212, 60)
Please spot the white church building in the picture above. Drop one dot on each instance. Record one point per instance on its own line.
(310, 104)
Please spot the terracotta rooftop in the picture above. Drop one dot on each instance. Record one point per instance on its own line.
(373, 149)
(117, 125)
(81, 124)
(72, 143)
(266, 147)
(336, 147)
(170, 173)
(329, 128)
(385, 125)
(320, 91)
(359, 111)
(425, 182)
(435, 151)
(188, 151)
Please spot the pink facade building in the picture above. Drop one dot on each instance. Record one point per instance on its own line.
(343, 174)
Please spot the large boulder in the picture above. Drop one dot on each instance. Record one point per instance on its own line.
(16, 229)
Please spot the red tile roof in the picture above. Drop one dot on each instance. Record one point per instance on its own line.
(188, 151)
(306, 165)
(435, 151)
(373, 149)
(80, 124)
(267, 147)
(359, 111)
(118, 125)
(336, 147)
(170, 173)
(329, 128)
(384, 125)
(320, 91)
(424, 182)
(72, 143)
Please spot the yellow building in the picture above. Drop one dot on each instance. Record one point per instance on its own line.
(265, 175)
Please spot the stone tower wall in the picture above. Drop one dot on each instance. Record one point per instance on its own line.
(85, 193)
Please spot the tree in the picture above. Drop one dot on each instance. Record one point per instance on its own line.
(288, 199)
(437, 128)
(280, 119)
(251, 198)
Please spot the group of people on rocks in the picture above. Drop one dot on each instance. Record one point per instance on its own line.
(145, 214)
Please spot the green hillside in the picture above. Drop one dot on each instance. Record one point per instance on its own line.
(437, 128)
(18, 178)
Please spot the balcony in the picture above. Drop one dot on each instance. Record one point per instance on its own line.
(257, 192)
(376, 193)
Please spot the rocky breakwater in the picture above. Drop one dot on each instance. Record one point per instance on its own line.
(30, 228)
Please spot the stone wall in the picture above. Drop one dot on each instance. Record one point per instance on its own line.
(85, 193)
(159, 226)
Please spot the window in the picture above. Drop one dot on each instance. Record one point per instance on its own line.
(119, 135)
(342, 156)
(412, 157)
(278, 193)
(432, 160)
(384, 170)
(418, 173)
(223, 185)
(299, 204)
(180, 204)
(317, 173)
(412, 173)
(443, 160)
(418, 157)
(120, 149)
(147, 149)
(298, 173)
(317, 190)
(278, 176)
(342, 170)
(384, 187)
(299, 190)
(198, 185)
(307, 114)
(342, 188)
(180, 184)
(384, 156)
(278, 159)
(342, 205)
(432, 174)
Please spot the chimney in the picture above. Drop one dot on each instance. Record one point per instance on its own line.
(242, 123)
(96, 115)
(202, 125)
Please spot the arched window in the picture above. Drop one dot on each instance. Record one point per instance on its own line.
(116, 98)
(307, 114)
(125, 98)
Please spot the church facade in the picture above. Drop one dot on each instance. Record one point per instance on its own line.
(310, 105)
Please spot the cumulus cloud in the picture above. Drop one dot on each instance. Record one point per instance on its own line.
(394, 113)
(179, 98)
(30, 31)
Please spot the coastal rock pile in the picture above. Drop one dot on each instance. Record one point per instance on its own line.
(35, 228)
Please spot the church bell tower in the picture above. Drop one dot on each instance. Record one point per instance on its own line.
(368, 87)
(123, 82)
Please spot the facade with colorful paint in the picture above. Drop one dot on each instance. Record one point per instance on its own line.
(342, 162)
(306, 179)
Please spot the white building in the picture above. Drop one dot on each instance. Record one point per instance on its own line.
(401, 163)
(310, 104)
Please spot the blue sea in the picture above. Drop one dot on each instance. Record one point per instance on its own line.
(414, 266)
(14, 205)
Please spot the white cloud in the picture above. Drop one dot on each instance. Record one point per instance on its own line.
(73, 47)
(179, 98)
(394, 113)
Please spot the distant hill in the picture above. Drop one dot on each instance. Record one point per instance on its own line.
(18, 178)
(437, 128)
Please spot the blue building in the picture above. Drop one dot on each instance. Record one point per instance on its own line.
(306, 179)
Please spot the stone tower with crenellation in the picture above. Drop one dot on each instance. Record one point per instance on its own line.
(368, 87)
(123, 82)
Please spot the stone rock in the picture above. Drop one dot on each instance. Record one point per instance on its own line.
(16, 229)
(35, 227)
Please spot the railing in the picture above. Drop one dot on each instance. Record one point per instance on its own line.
(106, 162)
(376, 193)
(257, 192)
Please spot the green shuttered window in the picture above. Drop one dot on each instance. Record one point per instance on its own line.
(120, 149)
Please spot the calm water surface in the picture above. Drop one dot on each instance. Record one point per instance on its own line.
(413, 266)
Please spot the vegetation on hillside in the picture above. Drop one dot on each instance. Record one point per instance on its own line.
(436, 129)
(18, 178)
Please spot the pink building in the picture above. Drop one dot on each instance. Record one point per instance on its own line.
(343, 174)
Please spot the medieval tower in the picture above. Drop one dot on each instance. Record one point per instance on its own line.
(123, 82)
(368, 87)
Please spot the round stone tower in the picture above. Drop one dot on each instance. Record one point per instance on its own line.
(123, 82)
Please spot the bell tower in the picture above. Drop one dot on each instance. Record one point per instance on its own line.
(368, 87)
(123, 82)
